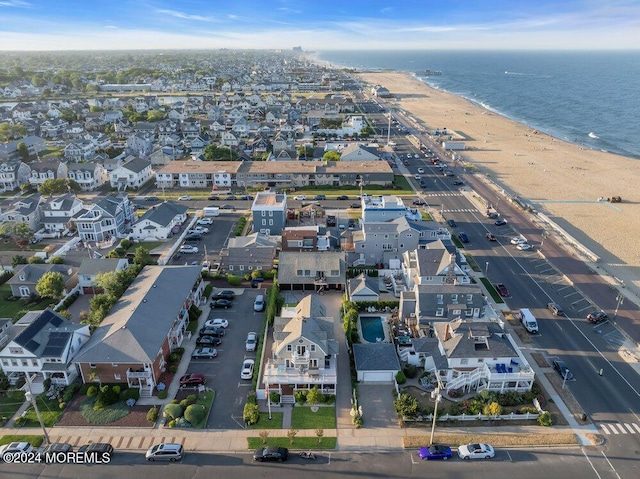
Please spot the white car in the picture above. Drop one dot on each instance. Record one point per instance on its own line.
(417, 177)
(15, 447)
(247, 369)
(524, 246)
(185, 198)
(217, 323)
(188, 249)
(205, 221)
(203, 230)
(476, 451)
(300, 198)
(518, 240)
(408, 156)
(252, 341)
(421, 170)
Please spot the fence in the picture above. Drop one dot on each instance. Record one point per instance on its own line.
(475, 417)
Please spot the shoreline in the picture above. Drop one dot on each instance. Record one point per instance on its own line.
(562, 179)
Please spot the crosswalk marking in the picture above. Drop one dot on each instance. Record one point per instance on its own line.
(443, 194)
(620, 428)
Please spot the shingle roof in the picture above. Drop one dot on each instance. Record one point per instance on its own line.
(164, 213)
(376, 357)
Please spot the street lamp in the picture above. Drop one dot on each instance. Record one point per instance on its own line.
(564, 377)
(435, 394)
(31, 398)
(486, 268)
(620, 300)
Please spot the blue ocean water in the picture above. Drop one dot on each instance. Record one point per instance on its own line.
(569, 95)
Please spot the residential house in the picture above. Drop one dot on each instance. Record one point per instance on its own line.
(56, 212)
(376, 362)
(311, 270)
(53, 128)
(9, 151)
(269, 212)
(91, 268)
(132, 174)
(382, 208)
(79, 150)
(25, 210)
(435, 264)
(245, 254)
(13, 174)
(51, 169)
(303, 352)
(110, 217)
(159, 221)
(42, 346)
(356, 152)
(363, 288)
(89, 175)
(150, 320)
(26, 276)
(198, 174)
(140, 145)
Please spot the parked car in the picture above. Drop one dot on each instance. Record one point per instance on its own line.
(16, 447)
(356, 205)
(597, 317)
(58, 447)
(492, 214)
(342, 197)
(216, 323)
(435, 451)
(221, 303)
(518, 240)
(224, 294)
(502, 290)
(230, 197)
(421, 171)
(524, 246)
(252, 341)
(300, 197)
(205, 221)
(562, 369)
(165, 451)
(320, 197)
(247, 369)
(214, 197)
(500, 222)
(271, 453)
(184, 198)
(463, 237)
(210, 340)
(97, 447)
(457, 182)
(490, 237)
(417, 177)
(193, 237)
(192, 380)
(476, 451)
(227, 207)
(197, 230)
(258, 304)
(555, 309)
(452, 223)
(188, 249)
(419, 202)
(204, 353)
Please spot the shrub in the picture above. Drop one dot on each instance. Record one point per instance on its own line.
(171, 423)
(274, 397)
(314, 396)
(300, 396)
(400, 377)
(182, 422)
(185, 403)
(192, 398)
(163, 394)
(106, 397)
(152, 414)
(545, 419)
(175, 401)
(125, 243)
(62, 405)
(492, 409)
(527, 409)
(406, 405)
(117, 389)
(329, 398)
(131, 393)
(173, 368)
(195, 413)
(252, 397)
(234, 280)
(251, 413)
(70, 391)
(207, 290)
(410, 371)
(92, 391)
(56, 260)
(173, 411)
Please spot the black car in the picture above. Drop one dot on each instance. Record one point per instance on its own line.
(208, 341)
(224, 294)
(356, 205)
(193, 237)
(320, 197)
(562, 369)
(99, 447)
(215, 331)
(214, 197)
(221, 303)
(597, 317)
(419, 202)
(342, 197)
(227, 207)
(271, 453)
(331, 220)
(463, 237)
(452, 223)
(457, 182)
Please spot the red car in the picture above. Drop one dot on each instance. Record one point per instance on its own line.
(502, 290)
(193, 379)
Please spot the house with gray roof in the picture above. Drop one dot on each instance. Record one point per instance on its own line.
(110, 217)
(91, 268)
(149, 321)
(363, 288)
(89, 175)
(42, 345)
(358, 152)
(13, 174)
(318, 270)
(245, 254)
(26, 276)
(435, 264)
(303, 351)
(132, 174)
(58, 211)
(376, 362)
(25, 210)
(159, 221)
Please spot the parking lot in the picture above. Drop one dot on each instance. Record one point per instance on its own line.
(223, 372)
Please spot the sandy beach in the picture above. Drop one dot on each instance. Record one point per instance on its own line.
(562, 180)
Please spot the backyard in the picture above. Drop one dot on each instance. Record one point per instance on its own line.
(10, 309)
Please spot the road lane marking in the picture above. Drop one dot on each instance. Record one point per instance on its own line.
(624, 431)
(605, 429)
(628, 426)
(636, 426)
(611, 465)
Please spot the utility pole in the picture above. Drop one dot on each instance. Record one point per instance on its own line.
(30, 397)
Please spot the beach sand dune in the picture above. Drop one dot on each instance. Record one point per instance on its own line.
(560, 179)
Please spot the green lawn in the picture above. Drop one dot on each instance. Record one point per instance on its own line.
(35, 441)
(105, 415)
(10, 309)
(49, 411)
(303, 443)
(148, 245)
(9, 404)
(265, 423)
(205, 399)
(303, 417)
(492, 291)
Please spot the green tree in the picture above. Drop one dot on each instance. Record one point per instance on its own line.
(58, 186)
(36, 260)
(406, 405)
(18, 259)
(23, 151)
(195, 413)
(305, 151)
(173, 411)
(219, 153)
(10, 132)
(331, 155)
(20, 232)
(142, 256)
(314, 396)
(4, 381)
(50, 285)
(156, 115)
(68, 115)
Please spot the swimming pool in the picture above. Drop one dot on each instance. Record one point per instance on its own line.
(372, 329)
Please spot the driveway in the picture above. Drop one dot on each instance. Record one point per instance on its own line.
(377, 405)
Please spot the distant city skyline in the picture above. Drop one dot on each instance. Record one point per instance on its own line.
(318, 25)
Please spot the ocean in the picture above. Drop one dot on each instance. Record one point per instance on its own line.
(588, 98)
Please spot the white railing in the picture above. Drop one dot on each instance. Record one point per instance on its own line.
(476, 417)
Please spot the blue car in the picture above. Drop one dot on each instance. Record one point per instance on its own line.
(463, 237)
(434, 452)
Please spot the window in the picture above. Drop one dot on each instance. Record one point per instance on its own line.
(289, 347)
(5, 362)
(24, 362)
(34, 362)
(241, 267)
(93, 365)
(313, 348)
(15, 350)
(454, 298)
(116, 377)
(114, 365)
(464, 361)
(440, 299)
(469, 298)
(230, 267)
(440, 312)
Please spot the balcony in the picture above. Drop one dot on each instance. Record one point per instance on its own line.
(300, 359)
(278, 374)
(138, 373)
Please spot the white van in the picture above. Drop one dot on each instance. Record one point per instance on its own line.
(258, 304)
(528, 320)
(211, 211)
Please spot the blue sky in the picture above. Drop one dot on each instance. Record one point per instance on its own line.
(319, 25)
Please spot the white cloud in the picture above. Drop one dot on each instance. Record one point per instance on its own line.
(185, 16)
(15, 3)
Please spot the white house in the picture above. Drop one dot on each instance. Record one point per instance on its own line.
(89, 176)
(133, 174)
(57, 211)
(159, 221)
(91, 268)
